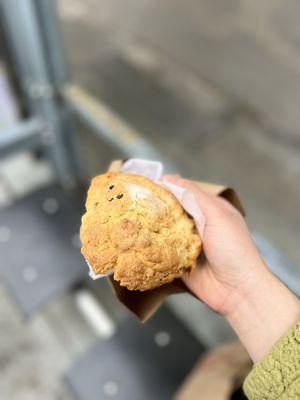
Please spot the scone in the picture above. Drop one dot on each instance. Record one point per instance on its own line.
(137, 230)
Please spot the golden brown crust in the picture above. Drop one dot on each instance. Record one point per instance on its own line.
(138, 230)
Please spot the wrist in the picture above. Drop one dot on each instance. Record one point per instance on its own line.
(264, 310)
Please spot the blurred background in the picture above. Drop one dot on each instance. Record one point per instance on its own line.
(212, 89)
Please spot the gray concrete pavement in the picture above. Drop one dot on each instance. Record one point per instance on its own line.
(32, 360)
(249, 49)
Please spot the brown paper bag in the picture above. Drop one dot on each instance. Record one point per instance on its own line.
(144, 304)
(217, 374)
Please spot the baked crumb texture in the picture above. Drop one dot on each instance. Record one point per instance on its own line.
(138, 230)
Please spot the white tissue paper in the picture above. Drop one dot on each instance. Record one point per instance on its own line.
(154, 170)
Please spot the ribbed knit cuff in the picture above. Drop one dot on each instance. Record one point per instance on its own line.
(277, 375)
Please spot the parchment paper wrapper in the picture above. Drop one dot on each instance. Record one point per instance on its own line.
(144, 304)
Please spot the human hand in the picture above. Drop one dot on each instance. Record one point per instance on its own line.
(230, 256)
(233, 279)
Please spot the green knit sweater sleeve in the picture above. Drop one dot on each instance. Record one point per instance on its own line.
(277, 375)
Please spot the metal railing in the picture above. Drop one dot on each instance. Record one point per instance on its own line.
(32, 32)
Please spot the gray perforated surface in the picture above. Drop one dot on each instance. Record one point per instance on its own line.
(39, 246)
(140, 362)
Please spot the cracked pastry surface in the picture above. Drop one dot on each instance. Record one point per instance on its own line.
(138, 230)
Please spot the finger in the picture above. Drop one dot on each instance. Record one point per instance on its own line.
(227, 205)
(209, 202)
(188, 201)
(184, 183)
(171, 178)
(195, 282)
(206, 201)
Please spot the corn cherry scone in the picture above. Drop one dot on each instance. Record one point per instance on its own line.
(137, 230)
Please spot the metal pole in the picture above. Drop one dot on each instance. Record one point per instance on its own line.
(110, 127)
(51, 35)
(26, 134)
(16, 47)
(24, 30)
(56, 62)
